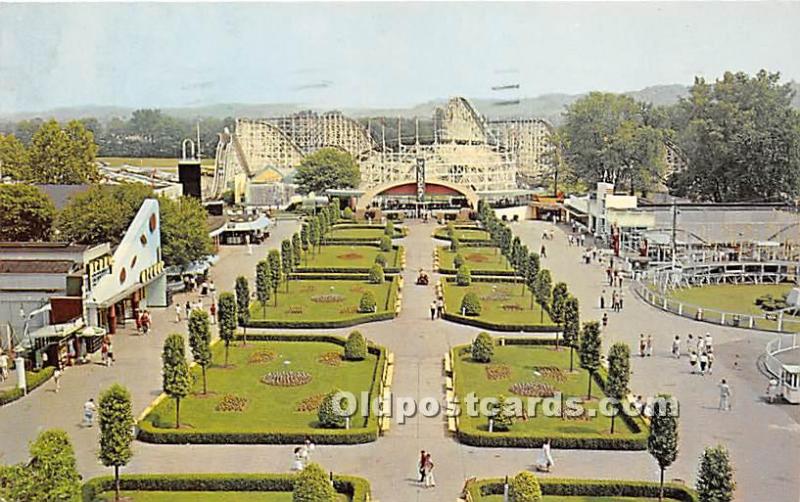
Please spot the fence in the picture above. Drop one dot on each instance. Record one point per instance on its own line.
(782, 343)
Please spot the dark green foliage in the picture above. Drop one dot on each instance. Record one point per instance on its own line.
(184, 233)
(34, 380)
(62, 156)
(312, 485)
(463, 276)
(356, 347)
(328, 414)
(367, 303)
(380, 259)
(297, 250)
(543, 290)
(471, 304)
(226, 311)
(482, 349)
(455, 244)
(572, 323)
(26, 213)
(115, 417)
(502, 415)
(663, 440)
(560, 295)
(242, 300)
(389, 228)
(263, 283)
(386, 243)
(458, 260)
(275, 272)
(715, 481)
(175, 372)
(524, 487)
(327, 168)
(376, 275)
(619, 375)
(287, 257)
(590, 350)
(558, 488)
(531, 272)
(200, 341)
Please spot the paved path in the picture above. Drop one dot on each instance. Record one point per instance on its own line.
(764, 440)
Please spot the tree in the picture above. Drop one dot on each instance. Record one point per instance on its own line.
(328, 415)
(619, 376)
(63, 156)
(116, 422)
(226, 310)
(297, 250)
(524, 487)
(741, 139)
(175, 372)
(263, 284)
(367, 304)
(26, 214)
(482, 349)
(715, 481)
(348, 213)
(242, 290)
(458, 260)
(389, 229)
(274, 260)
(356, 347)
(560, 294)
(572, 328)
(312, 485)
(463, 276)
(543, 290)
(376, 274)
(51, 473)
(386, 244)
(313, 233)
(200, 341)
(531, 272)
(663, 440)
(334, 207)
(502, 414)
(471, 304)
(184, 233)
(590, 350)
(380, 259)
(13, 158)
(327, 168)
(305, 239)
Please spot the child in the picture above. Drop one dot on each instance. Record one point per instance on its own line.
(693, 360)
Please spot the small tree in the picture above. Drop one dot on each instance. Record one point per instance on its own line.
(313, 233)
(590, 350)
(663, 440)
(243, 305)
(543, 291)
(263, 284)
(451, 229)
(463, 276)
(287, 260)
(297, 250)
(471, 304)
(312, 485)
(226, 310)
(376, 275)
(386, 244)
(116, 422)
(175, 373)
(560, 294)
(51, 473)
(619, 375)
(715, 481)
(274, 260)
(333, 210)
(455, 243)
(200, 341)
(524, 487)
(329, 415)
(502, 415)
(380, 259)
(522, 265)
(305, 239)
(458, 260)
(572, 326)
(531, 272)
(389, 229)
(482, 349)
(367, 304)
(356, 347)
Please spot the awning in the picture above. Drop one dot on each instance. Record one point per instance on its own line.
(260, 223)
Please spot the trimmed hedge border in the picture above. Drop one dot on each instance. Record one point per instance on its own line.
(34, 379)
(148, 433)
(357, 488)
(591, 488)
(394, 269)
(570, 442)
(473, 273)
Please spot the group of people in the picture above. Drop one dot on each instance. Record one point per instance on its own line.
(425, 469)
(700, 351)
(107, 351)
(645, 345)
(302, 454)
(143, 322)
(437, 308)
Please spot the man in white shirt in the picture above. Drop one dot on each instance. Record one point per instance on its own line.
(89, 410)
(3, 366)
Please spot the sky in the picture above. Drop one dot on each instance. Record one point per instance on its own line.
(374, 54)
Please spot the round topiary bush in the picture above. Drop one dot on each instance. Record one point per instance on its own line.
(367, 304)
(458, 260)
(524, 488)
(471, 304)
(386, 243)
(313, 485)
(376, 275)
(389, 228)
(347, 214)
(380, 259)
(463, 276)
(482, 348)
(356, 347)
(329, 413)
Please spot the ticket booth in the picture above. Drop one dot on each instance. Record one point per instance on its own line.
(790, 383)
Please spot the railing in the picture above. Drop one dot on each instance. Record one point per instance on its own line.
(781, 343)
(767, 322)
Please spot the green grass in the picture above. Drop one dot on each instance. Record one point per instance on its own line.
(522, 361)
(189, 496)
(157, 162)
(359, 233)
(732, 298)
(501, 302)
(298, 304)
(334, 256)
(463, 234)
(269, 407)
(557, 498)
(476, 258)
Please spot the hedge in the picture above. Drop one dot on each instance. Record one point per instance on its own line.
(357, 489)
(493, 273)
(34, 379)
(148, 433)
(590, 488)
(480, 323)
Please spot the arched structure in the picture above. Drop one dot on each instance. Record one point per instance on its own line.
(409, 188)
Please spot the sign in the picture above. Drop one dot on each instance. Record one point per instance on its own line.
(420, 179)
(99, 267)
(151, 272)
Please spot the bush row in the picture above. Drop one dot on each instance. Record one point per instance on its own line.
(357, 489)
(301, 271)
(34, 379)
(494, 273)
(480, 323)
(590, 488)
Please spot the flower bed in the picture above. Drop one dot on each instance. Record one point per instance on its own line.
(585, 490)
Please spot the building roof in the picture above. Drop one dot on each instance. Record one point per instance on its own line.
(35, 266)
(44, 246)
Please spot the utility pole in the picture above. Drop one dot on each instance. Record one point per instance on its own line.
(674, 233)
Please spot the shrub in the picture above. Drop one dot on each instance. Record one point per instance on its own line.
(356, 347)
(389, 229)
(386, 244)
(380, 259)
(455, 244)
(524, 488)
(471, 304)
(347, 214)
(458, 260)
(502, 415)
(482, 348)
(313, 486)
(327, 414)
(367, 304)
(463, 276)
(376, 275)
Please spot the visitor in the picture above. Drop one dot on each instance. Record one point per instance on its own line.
(110, 353)
(708, 343)
(213, 310)
(649, 347)
(614, 302)
(57, 378)
(104, 352)
(642, 345)
(430, 482)
(710, 363)
(146, 322)
(138, 321)
(703, 363)
(439, 307)
(772, 390)
(689, 344)
(297, 464)
(433, 310)
(204, 288)
(544, 251)
(545, 458)
(89, 410)
(310, 446)
(605, 319)
(693, 360)
(188, 308)
(3, 366)
(178, 312)
(603, 300)
(724, 396)
(676, 347)
(421, 466)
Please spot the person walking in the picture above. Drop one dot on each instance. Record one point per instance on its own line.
(649, 346)
(703, 363)
(110, 353)
(689, 344)
(89, 409)
(439, 307)
(433, 310)
(421, 466)
(710, 363)
(137, 320)
(543, 251)
(178, 312)
(297, 462)
(724, 396)
(3, 366)
(545, 458)
(621, 297)
(430, 482)
(642, 345)
(603, 300)
(614, 302)
(213, 310)
(104, 352)
(605, 319)
(146, 322)
(676, 347)
(57, 378)
(693, 360)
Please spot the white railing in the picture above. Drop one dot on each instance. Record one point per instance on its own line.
(781, 343)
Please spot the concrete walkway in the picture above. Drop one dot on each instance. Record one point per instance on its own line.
(764, 440)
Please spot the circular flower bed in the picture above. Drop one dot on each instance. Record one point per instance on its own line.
(286, 378)
(533, 389)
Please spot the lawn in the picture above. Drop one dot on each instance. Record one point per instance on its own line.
(558, 498)
(503, 303)
(324, 301)
(549, 370)
(731, 298)
(356, 257)
(251, 406)
(188, 496)
(476, 258)
(361, 232)
(463, 234)
(157, 162)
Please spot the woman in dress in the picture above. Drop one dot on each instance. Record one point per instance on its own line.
(546, 458)
(428, 470)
